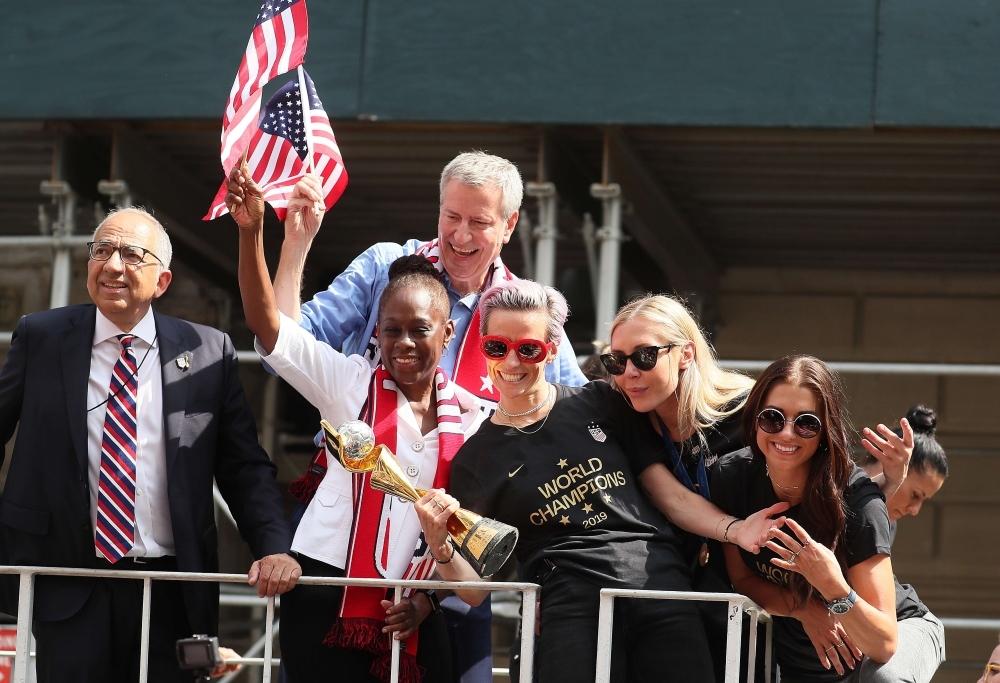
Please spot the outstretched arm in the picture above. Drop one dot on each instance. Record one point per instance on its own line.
(302, 222)
(246, 205)
(693, 513)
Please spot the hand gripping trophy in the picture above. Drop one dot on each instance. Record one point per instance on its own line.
(485, 543)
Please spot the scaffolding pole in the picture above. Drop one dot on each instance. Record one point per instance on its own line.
(610, 237)
(62, 259)
(545, 231)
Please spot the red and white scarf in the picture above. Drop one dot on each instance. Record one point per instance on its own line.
(361, 619)
(470, 365)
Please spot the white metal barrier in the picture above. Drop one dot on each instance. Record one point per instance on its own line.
(26, 594)
(734, 632)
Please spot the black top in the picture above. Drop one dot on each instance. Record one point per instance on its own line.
(571, 491)
(740, 487)
(725, 436)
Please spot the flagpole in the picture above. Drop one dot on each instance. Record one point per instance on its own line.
(306, 122)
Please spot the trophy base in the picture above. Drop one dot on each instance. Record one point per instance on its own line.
(487, 545)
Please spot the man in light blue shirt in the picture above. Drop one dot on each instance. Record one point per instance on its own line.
(480, 200)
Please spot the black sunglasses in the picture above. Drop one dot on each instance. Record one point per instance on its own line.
(806, 425)
(643, 359)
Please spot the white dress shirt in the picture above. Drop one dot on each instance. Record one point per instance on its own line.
(338, 386)
(154, 535)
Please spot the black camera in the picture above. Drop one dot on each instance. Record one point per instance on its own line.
(199, 654)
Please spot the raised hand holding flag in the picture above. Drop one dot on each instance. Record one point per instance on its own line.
(282, 149)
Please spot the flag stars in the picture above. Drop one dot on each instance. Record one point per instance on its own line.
(588, 508)
(564, 521)
(563, 464)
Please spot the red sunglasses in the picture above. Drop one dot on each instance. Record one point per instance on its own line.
(496, 347)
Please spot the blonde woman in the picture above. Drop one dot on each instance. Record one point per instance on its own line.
(661, 362)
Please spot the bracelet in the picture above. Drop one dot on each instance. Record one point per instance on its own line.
(432, 598)
(725, 535)
(724, 517)
(450, 557)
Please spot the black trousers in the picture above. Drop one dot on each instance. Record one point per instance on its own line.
(308, 612)
(100, 643)
(653, 640)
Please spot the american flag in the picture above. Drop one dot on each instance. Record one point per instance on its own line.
(279, 150)
(277, 45)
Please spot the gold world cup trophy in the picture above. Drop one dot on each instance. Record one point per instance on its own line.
(485, 543)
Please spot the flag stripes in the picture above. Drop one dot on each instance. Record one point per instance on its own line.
(277, 44)
(278, 151)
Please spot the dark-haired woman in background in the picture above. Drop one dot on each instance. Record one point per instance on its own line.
(331, 633)
(827, 577)
(928, 467)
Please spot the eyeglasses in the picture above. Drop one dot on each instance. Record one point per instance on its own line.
(643, 359)
(991, 670)
(496, 347)
(131, 256)
(806, 425)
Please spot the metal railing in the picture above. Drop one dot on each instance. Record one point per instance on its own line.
(734, 630)
(26, 594)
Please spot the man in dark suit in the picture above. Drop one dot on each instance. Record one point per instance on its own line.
(123, 418)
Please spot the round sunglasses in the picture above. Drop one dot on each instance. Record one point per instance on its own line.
(806, 425)
(496, 347)
(643, 359)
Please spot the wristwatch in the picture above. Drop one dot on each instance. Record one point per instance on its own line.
(433, 599)
(842, 605)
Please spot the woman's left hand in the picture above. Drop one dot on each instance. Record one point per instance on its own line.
(752, 532)
(403, 619)
(814, 561)
(893, 452)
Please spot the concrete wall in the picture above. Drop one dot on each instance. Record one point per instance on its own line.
(950, 551)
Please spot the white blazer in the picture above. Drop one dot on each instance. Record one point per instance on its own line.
(338, 386)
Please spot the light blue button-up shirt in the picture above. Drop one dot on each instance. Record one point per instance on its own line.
(344, 315)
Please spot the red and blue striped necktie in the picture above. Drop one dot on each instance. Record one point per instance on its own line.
(115, 535)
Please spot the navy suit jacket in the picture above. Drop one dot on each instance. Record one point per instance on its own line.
(209, 433)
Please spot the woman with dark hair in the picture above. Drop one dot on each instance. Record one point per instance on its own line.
(333, 633)
(928, 467)
(828, 579)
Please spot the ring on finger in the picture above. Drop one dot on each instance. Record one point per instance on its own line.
(832, 647)
(791, 560)
(440, 504)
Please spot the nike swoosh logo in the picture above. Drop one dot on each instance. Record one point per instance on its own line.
(515, 472)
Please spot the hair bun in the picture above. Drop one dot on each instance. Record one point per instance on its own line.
(413, 264)
(922, 419)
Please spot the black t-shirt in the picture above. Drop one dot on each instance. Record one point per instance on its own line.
(740, 487)
(571, 492)
(725, 436)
